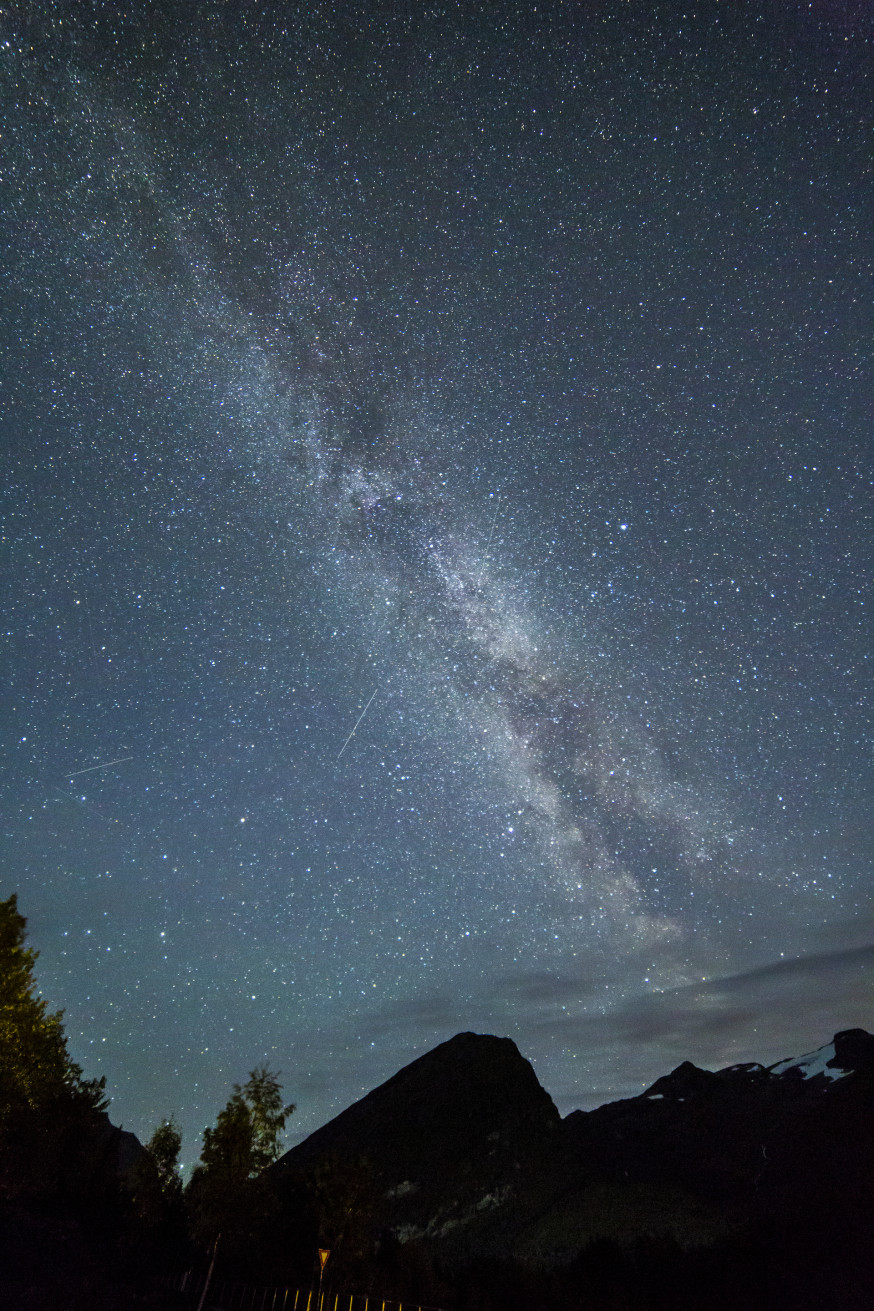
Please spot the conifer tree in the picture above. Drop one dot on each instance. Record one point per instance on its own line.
(46, 1106)
(33, 1053)
(35, 1066)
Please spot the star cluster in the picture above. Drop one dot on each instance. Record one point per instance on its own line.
(435, 537)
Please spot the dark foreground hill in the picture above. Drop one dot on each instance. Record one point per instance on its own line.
(750, 1182)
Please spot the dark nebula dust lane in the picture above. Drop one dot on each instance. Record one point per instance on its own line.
(437, 569)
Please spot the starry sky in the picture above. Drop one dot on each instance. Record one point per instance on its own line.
(436, 536)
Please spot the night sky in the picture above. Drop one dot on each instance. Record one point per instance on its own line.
(492, 380)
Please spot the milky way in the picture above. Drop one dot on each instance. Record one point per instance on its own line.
(435, 530)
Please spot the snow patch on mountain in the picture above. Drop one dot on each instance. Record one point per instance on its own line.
(811, 1064)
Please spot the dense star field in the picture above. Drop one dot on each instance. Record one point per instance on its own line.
(491, 381)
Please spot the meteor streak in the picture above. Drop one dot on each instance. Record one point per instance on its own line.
(121, 760)
(355, 725)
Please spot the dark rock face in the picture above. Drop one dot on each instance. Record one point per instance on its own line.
(854, 1050)
(469, 1092)
(446, 1137)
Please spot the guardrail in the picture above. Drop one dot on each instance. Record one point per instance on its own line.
(229, 1295)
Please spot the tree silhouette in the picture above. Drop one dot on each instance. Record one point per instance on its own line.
(51, 1127)
(262, 1094)
(154, 1183)
(227, 1193)
(35, 1066)
(164, 1147)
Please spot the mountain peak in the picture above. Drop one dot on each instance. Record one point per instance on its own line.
(850, 1051)
(684, 1081)
(471, 1090)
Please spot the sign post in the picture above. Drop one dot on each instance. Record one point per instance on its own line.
(324, 1253)
(209, 1274)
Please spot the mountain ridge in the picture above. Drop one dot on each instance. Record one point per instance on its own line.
(470, 1157)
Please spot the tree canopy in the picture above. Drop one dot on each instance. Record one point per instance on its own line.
(154, 1182)
(49, 1113)
(246, 1138)
(35, 1066)
(164, 1147)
